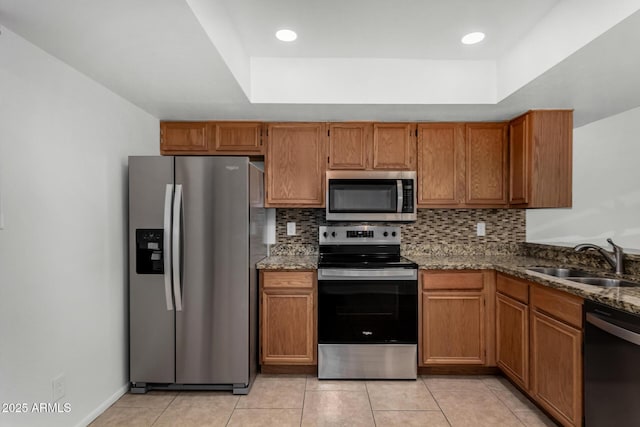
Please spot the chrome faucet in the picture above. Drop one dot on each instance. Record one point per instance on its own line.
(616, 261)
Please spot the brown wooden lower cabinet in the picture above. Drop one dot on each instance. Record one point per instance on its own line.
(512, 339)
(457, 318)
(288, 318)
(512, 328)
(556, 368)
(539, 345)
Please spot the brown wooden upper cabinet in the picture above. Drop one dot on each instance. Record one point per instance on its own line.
(462, 165)
(295, 164)
(350, 145)
(211, 138)
(394, 146)
(371, 146)
(540, 147)
(184, 137)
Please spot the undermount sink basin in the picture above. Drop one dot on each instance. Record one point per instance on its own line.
(560, 272)
(603, 281)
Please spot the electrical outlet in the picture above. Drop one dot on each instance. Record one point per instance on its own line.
(291, 229)
(58, 386)
(481, 229)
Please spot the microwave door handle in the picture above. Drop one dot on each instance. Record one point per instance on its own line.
(400, 196)
(168, 196)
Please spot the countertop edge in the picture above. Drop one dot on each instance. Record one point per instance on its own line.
(621, 298)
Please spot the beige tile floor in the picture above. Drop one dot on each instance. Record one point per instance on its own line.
(306, 401)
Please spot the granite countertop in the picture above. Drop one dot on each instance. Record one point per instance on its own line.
(289, 262)
(627, 299)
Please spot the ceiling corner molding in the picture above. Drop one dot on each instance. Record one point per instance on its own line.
(217, 24)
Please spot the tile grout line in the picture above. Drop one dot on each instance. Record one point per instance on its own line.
(236, 404)
(165, 409)
(506, 406)
(366, 388)
(436, 400)
(304, 398)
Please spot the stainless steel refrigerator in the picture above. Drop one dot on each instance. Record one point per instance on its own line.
(195, 235)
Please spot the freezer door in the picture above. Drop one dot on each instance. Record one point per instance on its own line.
(212, 329)
(151, 321)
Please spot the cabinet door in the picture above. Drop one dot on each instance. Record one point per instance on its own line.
(394, 146)
(287, 327)
(486, 164)
(440, 164)
(453, 328)
(237, 138)
(518, 161)
(349, 145)
(295, 165)
(512, 339)
(556, 368)
(183, 137)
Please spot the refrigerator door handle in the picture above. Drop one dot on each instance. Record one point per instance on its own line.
(168, 196)
(177, 219)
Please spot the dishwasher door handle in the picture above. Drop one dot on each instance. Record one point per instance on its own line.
(615, 330)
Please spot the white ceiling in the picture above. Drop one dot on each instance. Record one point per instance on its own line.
(425, 29)
(190, 59)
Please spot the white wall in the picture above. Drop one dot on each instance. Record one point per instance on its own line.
(64, 142)
(606, 188)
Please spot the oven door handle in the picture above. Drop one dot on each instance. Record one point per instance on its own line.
(612, 329)
(355, 274)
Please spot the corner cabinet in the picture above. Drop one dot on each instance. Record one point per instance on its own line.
(539, 344)
(211, 138)
(295, 164)
(540, 151)
(288, 318)
(462, 165)
(457, 318)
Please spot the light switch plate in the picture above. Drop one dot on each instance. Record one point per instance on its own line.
(481, 229)
(291, 229)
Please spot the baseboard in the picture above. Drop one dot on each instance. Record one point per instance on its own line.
(289, 369)
(103, 406)
(458, 370)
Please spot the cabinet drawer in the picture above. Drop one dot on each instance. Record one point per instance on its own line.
(515, 288)
(288, 279)
(452, 280)
(562, 306)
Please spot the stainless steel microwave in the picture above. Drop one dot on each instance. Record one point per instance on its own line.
(371, 196)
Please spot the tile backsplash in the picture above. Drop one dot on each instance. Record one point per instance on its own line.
(435, 232)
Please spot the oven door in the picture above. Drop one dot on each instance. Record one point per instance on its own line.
(368, 306)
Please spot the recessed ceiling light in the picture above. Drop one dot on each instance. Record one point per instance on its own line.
(473, 38)
(286, 35)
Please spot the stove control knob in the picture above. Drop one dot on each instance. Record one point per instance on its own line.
(393, 234)
(385, 234)
(333, 234)
(324, 234)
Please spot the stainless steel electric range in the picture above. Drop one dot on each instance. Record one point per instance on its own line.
(367, 305)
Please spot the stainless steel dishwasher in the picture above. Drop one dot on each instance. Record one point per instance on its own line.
(611, 367)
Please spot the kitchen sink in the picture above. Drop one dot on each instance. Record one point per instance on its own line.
(604, 282)
(560, 272)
